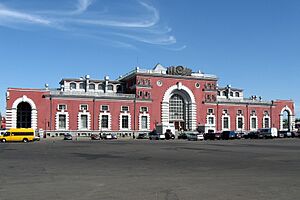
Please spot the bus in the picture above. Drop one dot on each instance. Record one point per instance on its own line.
(18, 135)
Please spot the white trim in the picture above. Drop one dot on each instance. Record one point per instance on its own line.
(251, 125)
(165, 105)
(129, 121)
(11, 121)
(237, 124)
(109, 121)
(266, 117)
(57, 120)
(229, 124)
(140, 121)
(291, 118)
(88, 120)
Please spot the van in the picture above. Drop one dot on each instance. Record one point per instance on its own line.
(18, 135)
(268, 132)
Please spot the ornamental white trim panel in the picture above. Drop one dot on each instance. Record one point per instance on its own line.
(229, 125)
(129, 121)
(88, 120)
(109, 120)
(291, 119)
(57, 120)
(140, 121)
(243, 123)
(252, 128)
(266, 117)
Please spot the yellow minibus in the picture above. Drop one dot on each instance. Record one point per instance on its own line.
(18, 135)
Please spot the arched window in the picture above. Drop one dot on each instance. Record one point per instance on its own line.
(81, 86)
(24, 115)
(224, 93)
(231, 94)
(110, 87)
(101, 87)
(237, 94)
(73, 86)
(92, 86)
(219, 93)
(176, 107)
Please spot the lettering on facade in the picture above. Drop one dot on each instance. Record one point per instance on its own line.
(179, 70)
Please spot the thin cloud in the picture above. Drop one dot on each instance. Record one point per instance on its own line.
(176, 48)
(142, 23)
(10, 15)
(146, 23)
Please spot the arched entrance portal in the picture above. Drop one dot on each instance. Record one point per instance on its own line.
(286, 119)
(179, 108)
(24, 115)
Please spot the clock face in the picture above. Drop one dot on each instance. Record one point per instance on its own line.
(159, 83)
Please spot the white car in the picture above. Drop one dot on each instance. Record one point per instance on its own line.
(107, 136)
(195, 136)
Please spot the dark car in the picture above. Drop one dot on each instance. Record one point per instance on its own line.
(228, 135)
(169, 135)
(182, 136)
(154, 135)
(251, 135)
(142, 136)
(218, 136)
(210, 136)
(68, 136)
(95, 136)
(295, 134)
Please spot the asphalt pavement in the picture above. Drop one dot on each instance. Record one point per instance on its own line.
(151, 170)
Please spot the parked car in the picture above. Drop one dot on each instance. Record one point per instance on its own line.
(251, 135)
(95, 136)
(153, 135)
(281, 134)
(68, 136)
(169, 135)
(284, 134)
(114, 136)
(107, 136)
(267, 133)
(182, 136)
(210, 136)
(142, 136)
(295, 134)
(195, 136)
(228, 135)
(218, 135)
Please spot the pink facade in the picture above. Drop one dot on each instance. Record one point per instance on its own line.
(141, 100)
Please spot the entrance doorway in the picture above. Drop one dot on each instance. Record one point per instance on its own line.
(24, 115)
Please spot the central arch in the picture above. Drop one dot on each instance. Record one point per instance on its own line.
(286, 119)
(179, 107)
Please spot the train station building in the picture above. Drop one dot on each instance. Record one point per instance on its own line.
(141, 100)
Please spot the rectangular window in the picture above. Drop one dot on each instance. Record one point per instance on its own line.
(225, 123)
(144, 109)
(267, 122)
(125, 109)
(84, 121)
(104, 121)
(210, 111)
(83, 107)
(104, 108)
(125, 122)
(253, 123)
(240, 123)
(144, 122)
(62, 107)
(62, 122)
(211, 120)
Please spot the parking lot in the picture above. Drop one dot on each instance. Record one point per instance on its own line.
(151, 170)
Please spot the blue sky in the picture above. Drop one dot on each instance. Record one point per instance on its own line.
(250, 44)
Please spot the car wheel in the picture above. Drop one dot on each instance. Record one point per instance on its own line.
(3, 140)
(25, 140)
